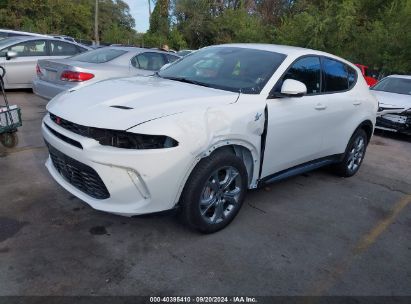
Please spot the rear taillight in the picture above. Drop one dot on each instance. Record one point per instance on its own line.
(75, 76)
(38, 70)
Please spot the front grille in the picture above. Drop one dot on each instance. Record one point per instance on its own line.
(68, 125)
(81, 176)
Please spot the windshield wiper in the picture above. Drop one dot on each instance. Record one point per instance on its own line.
(186, 80)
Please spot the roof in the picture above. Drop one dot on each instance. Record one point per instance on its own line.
(22, 33)
(294, 51)
(134, 48)
(400, 76)
(17, 39)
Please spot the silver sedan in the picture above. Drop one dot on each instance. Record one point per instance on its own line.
(55, 76)
(19, 56)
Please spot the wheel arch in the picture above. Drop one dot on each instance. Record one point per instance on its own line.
(368, 127)
(245, 151)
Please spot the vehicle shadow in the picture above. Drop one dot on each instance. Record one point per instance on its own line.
(393, 135)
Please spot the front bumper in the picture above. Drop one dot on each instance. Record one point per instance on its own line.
(396, 122)
(138, 181)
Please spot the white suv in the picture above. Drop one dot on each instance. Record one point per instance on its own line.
(205, 129)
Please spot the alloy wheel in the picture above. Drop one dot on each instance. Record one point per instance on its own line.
(220, 194)
(356, 154)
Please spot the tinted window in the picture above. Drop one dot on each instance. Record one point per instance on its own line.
(308, 71)
(172, 58)
(352, 76)
(335, 76)
(99, 56)
(236, 69)
(148, 61)
(81, 49)
(184, 53)
(30, 48)
(394, 85)
(59, 48)
(371, 73)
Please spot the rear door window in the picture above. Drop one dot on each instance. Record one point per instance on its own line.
(99, 56)
(308, 71)
(30, 48)
(60, 48)
(148, 61)
(335, 76)
(352, 76)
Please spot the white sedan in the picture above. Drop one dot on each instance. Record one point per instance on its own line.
(19, 56)
(205, 129)
(58, 75)
(394, 96)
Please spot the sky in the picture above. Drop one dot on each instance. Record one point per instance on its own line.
(139, 10)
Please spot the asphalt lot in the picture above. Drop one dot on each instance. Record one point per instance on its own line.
(315, 234)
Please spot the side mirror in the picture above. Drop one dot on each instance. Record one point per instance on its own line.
(291, 88)
(11, 55)
(165, 66)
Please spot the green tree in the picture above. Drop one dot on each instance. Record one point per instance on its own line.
(237, 25)
(159, 21)
(74, 18)
(386, 40)
(374, 33)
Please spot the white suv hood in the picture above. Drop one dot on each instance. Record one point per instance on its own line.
(149, 97)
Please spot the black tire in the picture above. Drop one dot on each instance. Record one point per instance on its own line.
(346, 168)
(201, 184)
(9, 140)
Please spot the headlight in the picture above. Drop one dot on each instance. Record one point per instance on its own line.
(115, 138)
(127, 140)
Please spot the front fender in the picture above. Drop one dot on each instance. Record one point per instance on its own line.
(200, 132)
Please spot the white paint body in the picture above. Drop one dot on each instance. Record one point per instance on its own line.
(201, 120)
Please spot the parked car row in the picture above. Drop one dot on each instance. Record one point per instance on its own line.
(41, 63)
(55, 76)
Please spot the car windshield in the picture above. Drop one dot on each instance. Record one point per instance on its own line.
(394, 85)
(9, 41)
(235, 69)
(99, 56)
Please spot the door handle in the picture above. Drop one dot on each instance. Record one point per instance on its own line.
(320, 107)
(356, 103)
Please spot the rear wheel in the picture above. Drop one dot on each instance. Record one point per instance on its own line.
(9, 139)
(354, 154)
(214, 192)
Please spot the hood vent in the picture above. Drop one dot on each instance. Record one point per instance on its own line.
(122, 107)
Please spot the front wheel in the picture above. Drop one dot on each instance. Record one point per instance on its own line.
(214, 192)
(354, 154)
